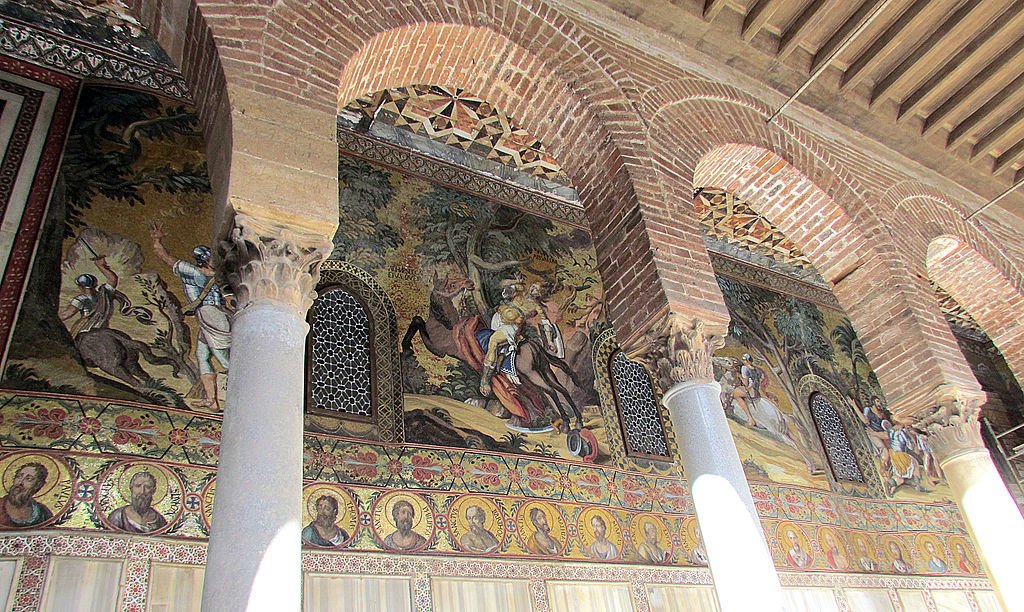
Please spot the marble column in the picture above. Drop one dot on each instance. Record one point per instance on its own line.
(990, 513)
(253, 560)
(741, 565)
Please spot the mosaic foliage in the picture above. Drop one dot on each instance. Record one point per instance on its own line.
(497, 304)
(109, 310)
(777, 343)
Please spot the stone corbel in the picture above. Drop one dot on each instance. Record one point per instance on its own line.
(953, 428)
(677, 350)
(264, 261)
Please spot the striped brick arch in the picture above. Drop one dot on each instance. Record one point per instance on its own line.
(708, 135)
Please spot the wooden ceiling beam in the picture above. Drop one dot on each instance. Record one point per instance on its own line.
(1008, 156)
(1004, 98)
(986, 142)
(757, 17)
(927, 45)
(795, 33)
(712, 8)
(964, 94)
(863, 12)
(950, 70)
(868, 59)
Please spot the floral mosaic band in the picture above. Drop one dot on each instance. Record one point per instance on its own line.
(461, 502)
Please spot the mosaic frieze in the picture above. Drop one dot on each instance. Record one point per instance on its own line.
(134, 496)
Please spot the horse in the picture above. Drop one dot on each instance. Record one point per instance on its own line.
(536, 367)
(117, 354)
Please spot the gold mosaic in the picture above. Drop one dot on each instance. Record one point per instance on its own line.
(457, 118)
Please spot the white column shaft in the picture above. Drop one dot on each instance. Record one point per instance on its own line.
(253, 560)
(741, 566)
(994, 520)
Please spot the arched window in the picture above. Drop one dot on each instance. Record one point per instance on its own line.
(642, 429)
(340, 359)
(833, 437)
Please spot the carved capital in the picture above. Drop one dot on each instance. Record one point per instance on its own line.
(676, 351)
(263, 261)
(953, 428)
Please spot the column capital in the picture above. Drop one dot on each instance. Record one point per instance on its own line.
(266, 261)
(952, 426)
(677, 350)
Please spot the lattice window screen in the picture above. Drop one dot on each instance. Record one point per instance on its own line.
(340, 355)
(638, 411)
(833, 437)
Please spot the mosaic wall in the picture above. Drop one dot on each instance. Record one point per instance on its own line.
(83, 464)
(783, 351)
(97, 39)
(497, 308)
(112, 377)
(118, 303)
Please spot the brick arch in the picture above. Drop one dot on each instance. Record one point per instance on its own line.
(920, 214)
(603, 158)
(708, 135)
(984, 291)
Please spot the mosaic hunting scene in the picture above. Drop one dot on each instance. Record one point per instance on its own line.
(465, 392)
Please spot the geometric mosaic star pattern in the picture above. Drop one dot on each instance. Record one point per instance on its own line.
(735, 222)
(456, 118)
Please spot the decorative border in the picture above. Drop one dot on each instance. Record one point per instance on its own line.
(140, 552)
(20, 137)
(872, 487)
(23, 248)
(77, 57)
(774, 281)
(49, 423)
(450, 175)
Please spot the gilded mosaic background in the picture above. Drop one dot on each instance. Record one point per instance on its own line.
(109, 418)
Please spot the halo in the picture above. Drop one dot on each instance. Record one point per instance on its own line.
(457, 513)
(780, 536)
(969, 553)
(55, 471)
(884, 541)
(870, 544)
(129, 470)
(419, 506)
(314, 491)
(555, 521)
(940, 550)
(690, 527)
(207, 497)
(840, 540)
(494, 518)
(637, 528)
(612, 526)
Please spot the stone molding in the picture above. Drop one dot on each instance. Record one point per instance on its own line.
(675, 350)
(267, 262)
